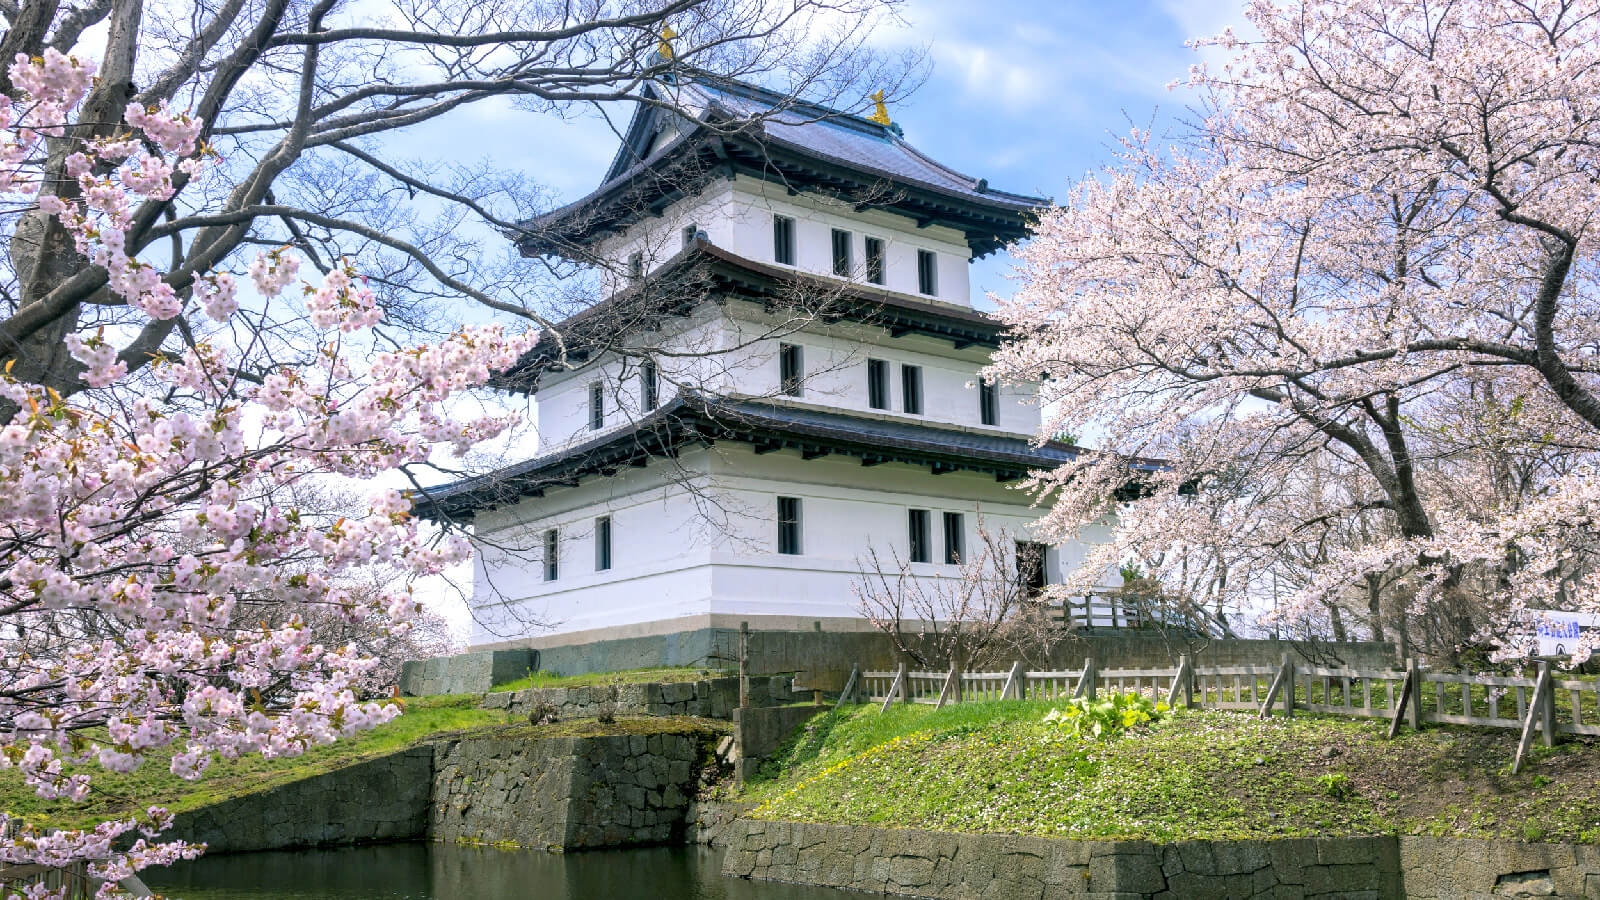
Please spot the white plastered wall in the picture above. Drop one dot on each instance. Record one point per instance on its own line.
(733, 350)
(709, 545)
(736, 215)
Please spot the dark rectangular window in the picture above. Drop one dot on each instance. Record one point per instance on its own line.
(689, 233)
(875, 260)
(552, 543)
(649, 390)
(597, 406)
(789, 525)
(783, 240)
(791, 369)
(911, 389)
(602, 543)
(954, 539)
(841, 253)
(921, 549)
(1030, 568)
(988, 402)
(877, 384)
(635, 266)
(927, 272)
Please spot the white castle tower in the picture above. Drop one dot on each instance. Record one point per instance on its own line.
(715, 450)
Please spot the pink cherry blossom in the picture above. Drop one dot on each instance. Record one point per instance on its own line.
(157, 506)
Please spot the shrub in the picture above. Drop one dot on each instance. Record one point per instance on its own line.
(543, 712)
(1337, 785)
(1106, 715)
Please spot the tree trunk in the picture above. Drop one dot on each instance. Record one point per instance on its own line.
(1375, 605)
(1336, 619)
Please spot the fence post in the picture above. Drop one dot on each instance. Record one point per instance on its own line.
(1016, 683)
(1288, 686)
(1414, 678)
(1180, 684)
(1091, 675)
(744, 667)
(1537, 709)
(1548, 704)
(1188, 682)
(951, 692)
(851, 687)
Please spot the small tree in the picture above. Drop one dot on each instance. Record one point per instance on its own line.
(983, 615)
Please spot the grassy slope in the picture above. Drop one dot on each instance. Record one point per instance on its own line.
(547, 680)
(153, 784)
(995, 767)
(425, 718)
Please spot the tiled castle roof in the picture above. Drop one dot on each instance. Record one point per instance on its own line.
(767, 426)
(722, 124)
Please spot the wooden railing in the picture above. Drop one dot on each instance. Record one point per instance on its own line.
(1539, 704)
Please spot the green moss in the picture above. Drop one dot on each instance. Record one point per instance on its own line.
(645, 725)
(632, 676)
(996, 767)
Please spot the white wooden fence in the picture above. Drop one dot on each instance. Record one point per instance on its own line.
(1540, 703)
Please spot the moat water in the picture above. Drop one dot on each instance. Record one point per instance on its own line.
(427, 871)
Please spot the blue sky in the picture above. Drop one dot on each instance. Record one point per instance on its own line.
(1026, 94)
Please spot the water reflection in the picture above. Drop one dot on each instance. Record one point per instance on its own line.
(423, 871)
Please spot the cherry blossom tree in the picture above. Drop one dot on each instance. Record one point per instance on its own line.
(1381, 211)
(216, 298)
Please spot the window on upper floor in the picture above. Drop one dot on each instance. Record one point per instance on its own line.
(920, 534)
(791, 369)
(875, 271)
(911, 389)
(877, 384)
(602, 543)
(954, 538)
(552, 546)
(789, 525)
(649, 388)
(842, 263)
(636, 265)
(928, 272)
(988, 402)
(690, 231)
(597, 406)
(783, 240)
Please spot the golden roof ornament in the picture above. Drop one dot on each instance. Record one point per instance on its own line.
(881, 114)
(664, 49)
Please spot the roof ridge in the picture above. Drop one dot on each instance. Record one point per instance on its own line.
(781, 101)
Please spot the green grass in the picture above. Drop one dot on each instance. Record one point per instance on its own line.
(994, 767)
(632, 676)
(152, 783)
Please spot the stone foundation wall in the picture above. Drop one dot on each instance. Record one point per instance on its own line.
(465, 673)
(759, 732)
(707, 822)
(1003, 867)
(1012, 867)
(566, 793)
(382, 799)
(713, 698)
(1452, 869)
